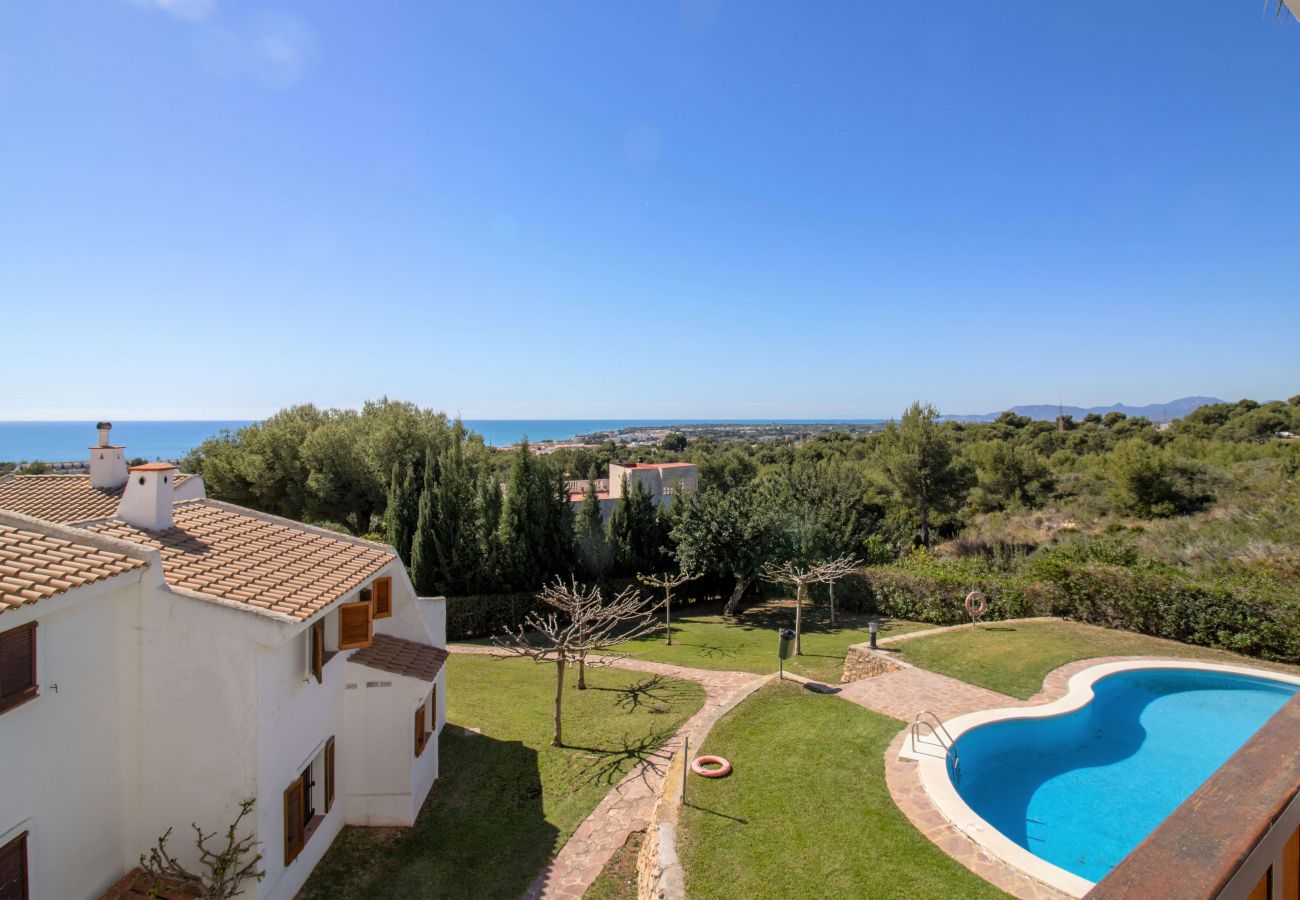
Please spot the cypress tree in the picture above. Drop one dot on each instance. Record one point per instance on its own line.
(454, 538)
(488, 520)
(519, 518)
(424, 552)
(593, 548)
(403, 510)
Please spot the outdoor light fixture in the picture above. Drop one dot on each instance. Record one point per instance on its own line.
(873, 626)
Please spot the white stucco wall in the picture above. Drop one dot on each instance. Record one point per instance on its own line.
(296, 716)
(60, 770)
(192, 667)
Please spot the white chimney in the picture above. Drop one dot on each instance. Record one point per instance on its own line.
(107, 462)
(147, 501)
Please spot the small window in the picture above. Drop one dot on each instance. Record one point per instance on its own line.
(302, 814)
(421, 732)
(317, 641)
(13, 869)
(17, 666)
(354, 625)
(383, 597)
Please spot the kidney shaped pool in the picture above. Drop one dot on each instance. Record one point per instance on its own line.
(1081, 790)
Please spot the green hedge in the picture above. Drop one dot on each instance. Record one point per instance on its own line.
(1155, 601)
(483, 615)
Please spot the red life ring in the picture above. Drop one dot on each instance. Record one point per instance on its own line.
(975, 604)
(723, 767)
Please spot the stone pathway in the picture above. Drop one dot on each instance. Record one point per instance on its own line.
(629, 804)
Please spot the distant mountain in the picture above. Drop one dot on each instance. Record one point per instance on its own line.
(1156, 412)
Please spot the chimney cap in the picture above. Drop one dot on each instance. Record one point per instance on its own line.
(152, 467)
(103, 424)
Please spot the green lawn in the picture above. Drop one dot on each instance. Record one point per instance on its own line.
(1014, 658)
(505, 800)
(805, 811)
(704, 639)
(617, 881)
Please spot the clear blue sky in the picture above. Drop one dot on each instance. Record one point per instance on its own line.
(698, 208)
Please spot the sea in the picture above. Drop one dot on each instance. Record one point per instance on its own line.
(68, 441)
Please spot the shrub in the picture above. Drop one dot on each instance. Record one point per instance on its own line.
(483, 615)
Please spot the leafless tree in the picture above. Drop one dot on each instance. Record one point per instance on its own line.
(669, 583)
(826, 572)
(580, 622)
(227, 868)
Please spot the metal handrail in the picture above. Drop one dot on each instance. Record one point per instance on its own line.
(940, 733)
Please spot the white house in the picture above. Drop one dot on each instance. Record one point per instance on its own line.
(162, 661)
(662, 481)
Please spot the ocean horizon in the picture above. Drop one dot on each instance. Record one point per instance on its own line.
(66, 441)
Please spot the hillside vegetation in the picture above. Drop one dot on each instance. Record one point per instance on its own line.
(1189, 531)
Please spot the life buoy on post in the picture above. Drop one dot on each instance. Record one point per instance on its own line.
(701, 764)
(975, 606)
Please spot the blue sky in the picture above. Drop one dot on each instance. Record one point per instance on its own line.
(704, 208)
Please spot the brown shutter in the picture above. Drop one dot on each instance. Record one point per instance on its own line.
(318, 651)
(17, 666)
(354, 625)
(13, 869)
(294, 827)
(329, 775)
(419, 730)
(383, 593)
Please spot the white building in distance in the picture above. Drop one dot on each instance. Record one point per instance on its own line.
(164, 657)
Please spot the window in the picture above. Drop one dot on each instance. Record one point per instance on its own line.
(426, 720)
(421, 733)
(317, 639)
(354, 625)
(17, 666)
(302, 816)
(13, 869)
(383, 597)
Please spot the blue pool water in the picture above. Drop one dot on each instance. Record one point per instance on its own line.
(1083, 789)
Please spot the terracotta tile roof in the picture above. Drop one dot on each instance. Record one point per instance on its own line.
(402, 657)
(272, 565)
(152, 467)
(62, 498)
(34, 566)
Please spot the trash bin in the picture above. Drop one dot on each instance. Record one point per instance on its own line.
(786, 648)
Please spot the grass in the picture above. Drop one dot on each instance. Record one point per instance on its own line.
(1015, 658)
(805, 812)
(705, 639)
(505, 800)
(617, 881)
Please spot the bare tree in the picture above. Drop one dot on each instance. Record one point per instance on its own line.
(669, 583)
(580, 622)
(826, 572)
(226, 867)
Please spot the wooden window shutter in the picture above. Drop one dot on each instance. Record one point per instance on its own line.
(17, 666)
(318, 651)
(420, 734)
(354, 625)
(13, 869)
(295, 826)
(383, 594)
(329, 775)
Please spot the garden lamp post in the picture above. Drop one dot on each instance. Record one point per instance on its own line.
(873, 626)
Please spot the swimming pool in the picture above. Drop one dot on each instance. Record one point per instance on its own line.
(1080, 782)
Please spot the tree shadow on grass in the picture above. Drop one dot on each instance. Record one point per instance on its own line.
(655, 691)
(482, 832)
(608, 765)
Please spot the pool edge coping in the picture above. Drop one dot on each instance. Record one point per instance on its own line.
(932, 770)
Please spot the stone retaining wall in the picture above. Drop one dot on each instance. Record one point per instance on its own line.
(659, 873)
(863, 662)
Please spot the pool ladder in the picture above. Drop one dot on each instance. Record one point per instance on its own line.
(929, 720)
